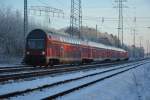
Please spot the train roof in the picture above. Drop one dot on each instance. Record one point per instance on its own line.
(68, 39)
(100, 45)
(73, 40)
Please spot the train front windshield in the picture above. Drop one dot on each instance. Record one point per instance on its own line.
(35, 44)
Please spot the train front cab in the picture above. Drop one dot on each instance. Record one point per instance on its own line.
(35, 48)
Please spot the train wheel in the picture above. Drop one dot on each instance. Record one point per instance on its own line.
(51, 62)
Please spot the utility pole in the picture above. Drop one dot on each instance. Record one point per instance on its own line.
(25, 18)
(80, 18)
(96, 32)
(140, 38)
(102, 22)
(122, 28)
(25, 22)
(120, 21)
(148, 47)
(133, 42)
(134, 33)
(76, 17)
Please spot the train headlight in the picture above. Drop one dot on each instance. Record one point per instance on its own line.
(43, 53)
(28, 52)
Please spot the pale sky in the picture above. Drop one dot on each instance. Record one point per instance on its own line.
(94, 10)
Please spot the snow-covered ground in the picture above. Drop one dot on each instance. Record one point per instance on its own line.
(131, 85)
(23, 85)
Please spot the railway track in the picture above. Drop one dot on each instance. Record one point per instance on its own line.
(93, 81)
(28, 68)
(38, 71)
(15, 70)
(23, 68)
(60, 88)
(29, 72)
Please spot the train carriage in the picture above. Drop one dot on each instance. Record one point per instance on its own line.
(49, 48)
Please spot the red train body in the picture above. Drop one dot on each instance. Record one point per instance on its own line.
(49, 49)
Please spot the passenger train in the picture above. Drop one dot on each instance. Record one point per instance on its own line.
(48, 48)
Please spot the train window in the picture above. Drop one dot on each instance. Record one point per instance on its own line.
(36, 43)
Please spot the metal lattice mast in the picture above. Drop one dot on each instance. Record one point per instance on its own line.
(25, 29)
(120, 21)
(25, 18)
(80, 17)
(76, 17)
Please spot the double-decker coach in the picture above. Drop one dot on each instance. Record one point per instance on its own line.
(49, 48)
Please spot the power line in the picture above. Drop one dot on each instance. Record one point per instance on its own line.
(46, 10)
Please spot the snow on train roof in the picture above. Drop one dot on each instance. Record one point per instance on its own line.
(64, 38)
(71, 40)
(100, 45)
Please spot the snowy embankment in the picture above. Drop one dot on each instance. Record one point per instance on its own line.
(131, 85)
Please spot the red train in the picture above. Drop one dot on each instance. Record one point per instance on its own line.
(48, 48)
